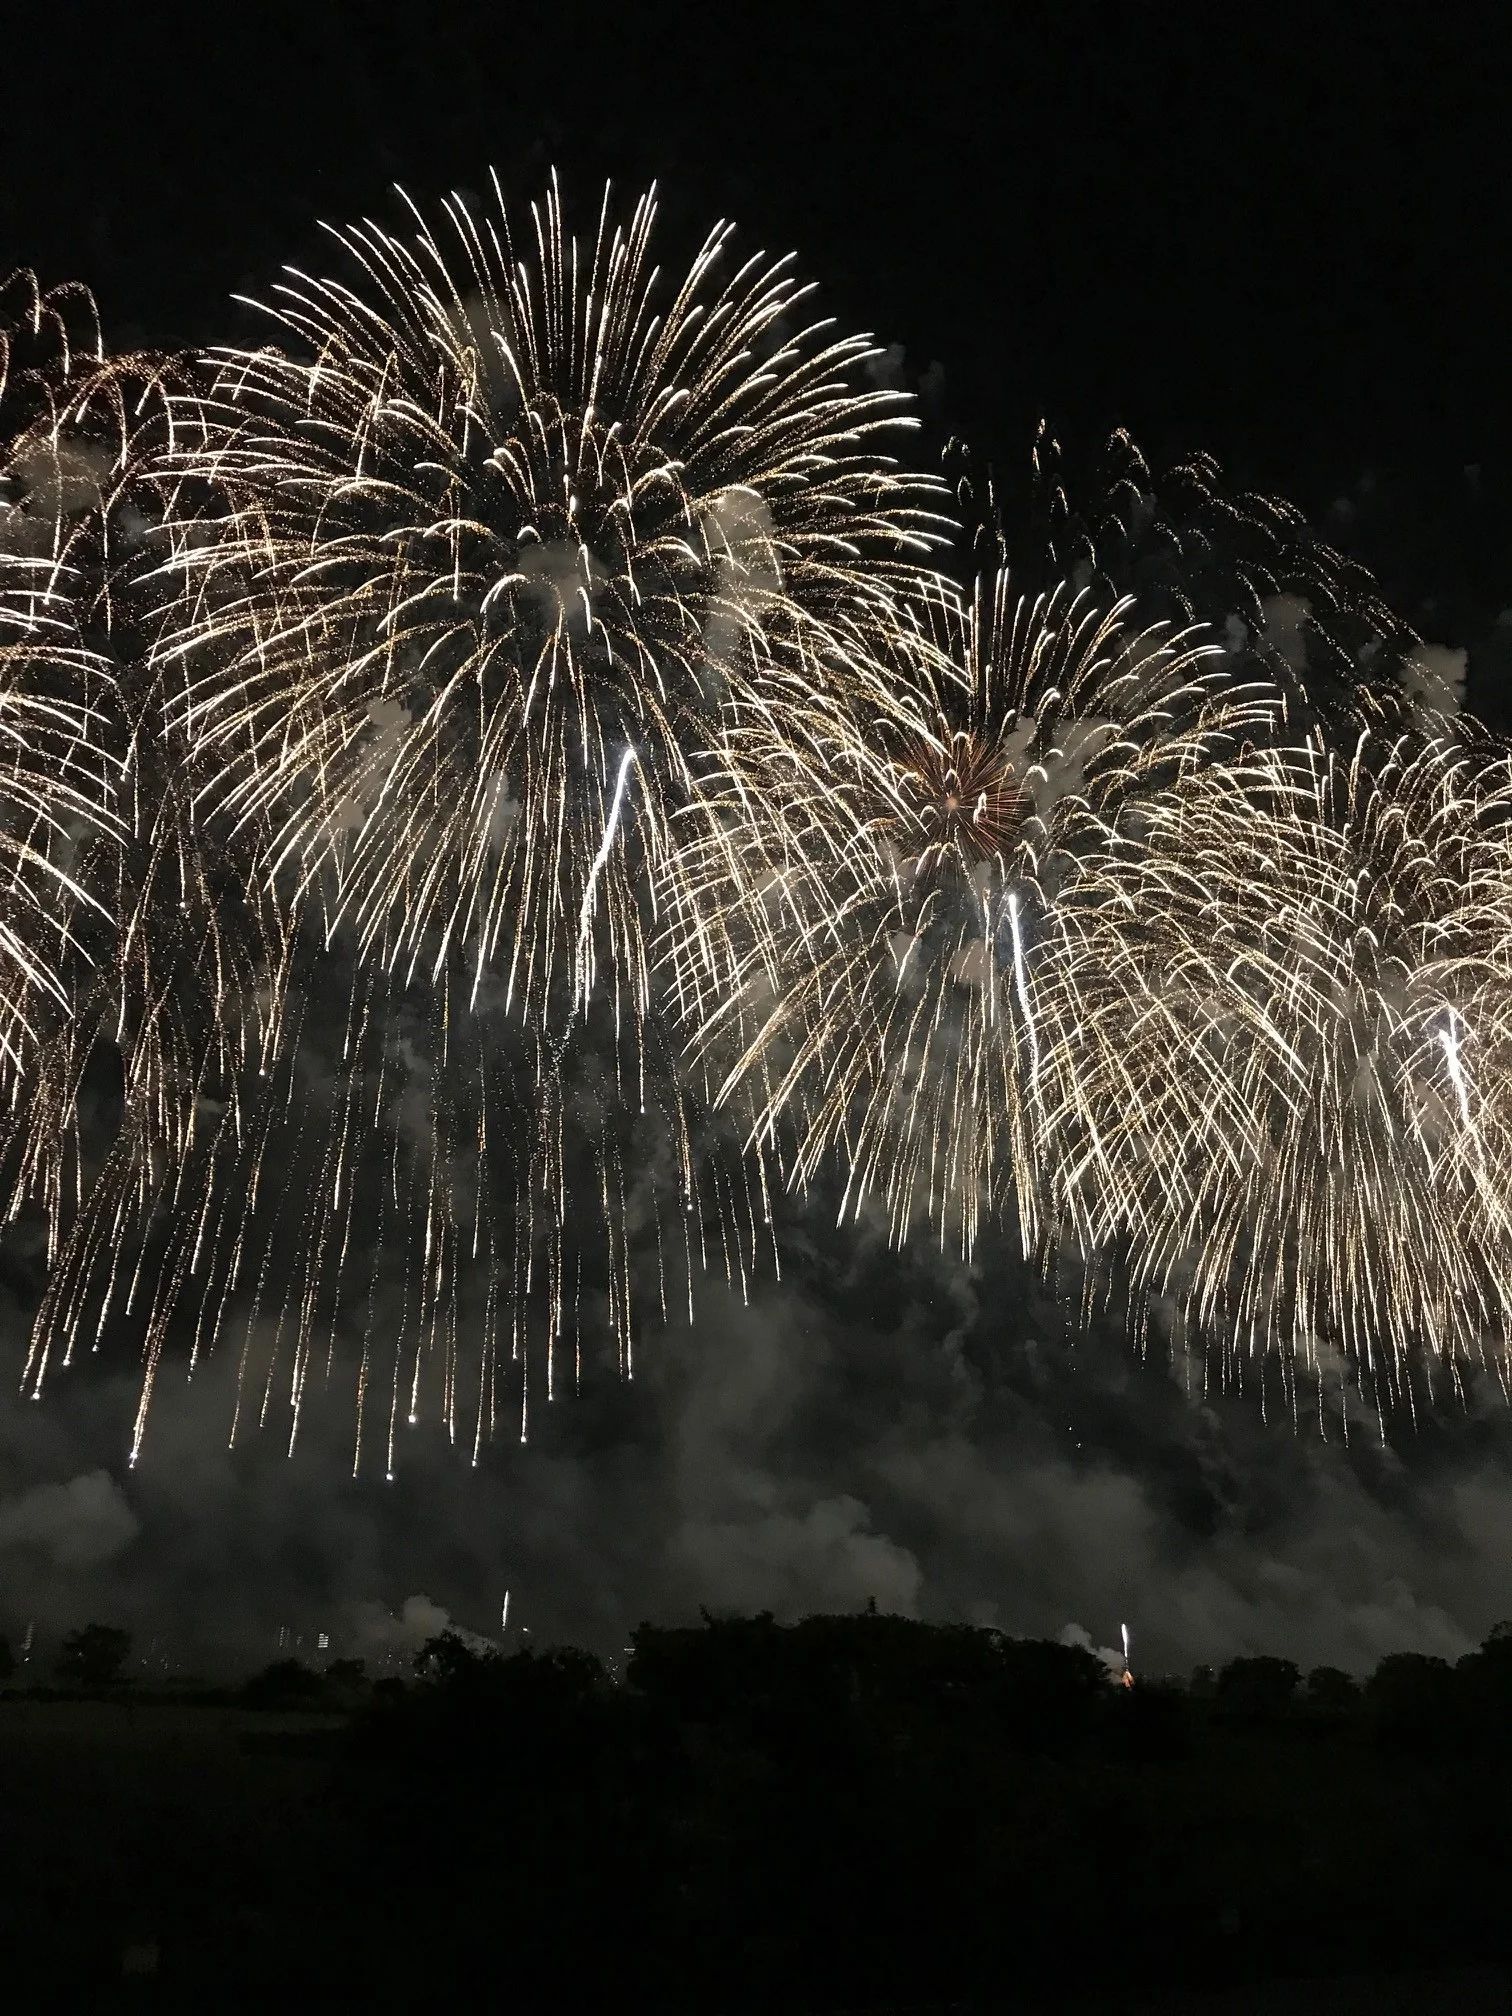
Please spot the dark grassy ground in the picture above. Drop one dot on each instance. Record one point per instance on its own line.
(858, 1813)
(126, 1826)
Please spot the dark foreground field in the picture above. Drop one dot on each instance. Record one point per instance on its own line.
(855, 1813)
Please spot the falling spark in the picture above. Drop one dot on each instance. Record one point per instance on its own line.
(585, 920)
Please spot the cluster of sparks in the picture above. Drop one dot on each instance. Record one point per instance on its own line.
(502, 780)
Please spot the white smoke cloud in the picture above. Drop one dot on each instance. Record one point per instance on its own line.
(62, 478)
(388, 1637)
(79, 1524)
(1061, 772)
(1285, 618)
(1433, 678)
(388, 718)
(825, 1559)
(885, 368)
(971, 964)
(740, 537)
(559, 577)
(1077, 1634)
(897, 1427)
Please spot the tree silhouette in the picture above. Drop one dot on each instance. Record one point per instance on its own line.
(1259, 1686)
(1332, 1690)
(451, 1662)
(1414, 1699)
(287, 1683)
(94, 1656)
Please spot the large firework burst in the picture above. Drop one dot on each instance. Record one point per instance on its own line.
(470, 581)
(506, 528)
(139, 945)
(900, 1005)
(1300, 1142)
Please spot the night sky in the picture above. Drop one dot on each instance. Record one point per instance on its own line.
(1286, 249)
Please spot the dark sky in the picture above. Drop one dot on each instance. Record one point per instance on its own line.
(1246, 234)
(1286, 246)
(1286, 243)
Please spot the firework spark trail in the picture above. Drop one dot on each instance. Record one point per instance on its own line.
(586, 916)
(1021, 985)
(58, 783)
(1192, 549)
(153, 964)
(73, 506)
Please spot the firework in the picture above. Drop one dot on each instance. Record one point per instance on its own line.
(1285, 605)
(57, 783)
(1218, 1014)
(1300, 1142)
(467, 583)
(493, 781)
(901, 1009)
(138, 946)
(506, 529)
